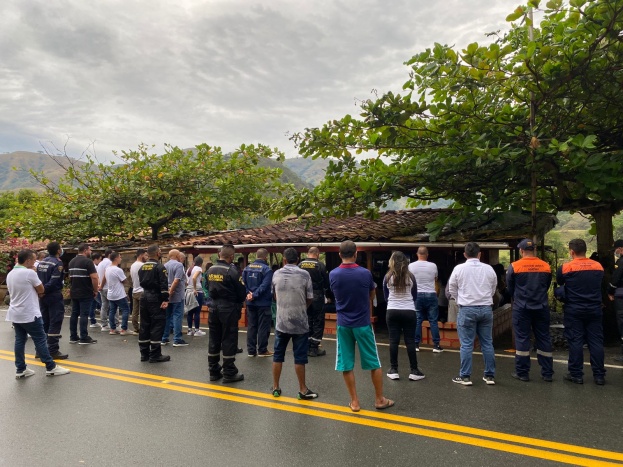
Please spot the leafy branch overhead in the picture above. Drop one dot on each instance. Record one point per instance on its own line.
(461, 128)
(144, 192)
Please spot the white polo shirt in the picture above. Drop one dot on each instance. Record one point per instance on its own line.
(114, 279)
(425, 274)
(21, 283)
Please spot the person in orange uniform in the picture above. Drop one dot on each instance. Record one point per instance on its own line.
(580, 281)
(528, 281)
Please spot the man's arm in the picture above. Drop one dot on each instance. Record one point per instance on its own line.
(94, 282)
(265, 285)
(453, 285)
(510, 280)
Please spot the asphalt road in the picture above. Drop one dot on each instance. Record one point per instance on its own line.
(113, 410)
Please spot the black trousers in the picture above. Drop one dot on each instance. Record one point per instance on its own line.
(223, 336)
(152, 326)
(52, 312)
(618, 308)
(401, 322)
(315, 319)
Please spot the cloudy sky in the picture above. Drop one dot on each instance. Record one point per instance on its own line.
(224, 72)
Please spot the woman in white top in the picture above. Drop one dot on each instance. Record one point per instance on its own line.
(400, 290)
(194, 283)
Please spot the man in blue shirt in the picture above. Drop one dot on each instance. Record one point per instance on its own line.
(51, 273)
(257, 278)
(353, 287)
(177, 288)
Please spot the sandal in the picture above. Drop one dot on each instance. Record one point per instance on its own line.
(276, 392)
(353, 409)
(388, 403)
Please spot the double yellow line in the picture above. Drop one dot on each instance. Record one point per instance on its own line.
(521, 445)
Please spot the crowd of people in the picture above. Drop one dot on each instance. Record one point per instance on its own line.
(300, 291)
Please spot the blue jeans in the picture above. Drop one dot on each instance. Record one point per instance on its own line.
(124, 309)
(35, 329)
(175, 313)
(427, 309)
(97, 301)
(472, 321)
(299, 347)
(79, 308)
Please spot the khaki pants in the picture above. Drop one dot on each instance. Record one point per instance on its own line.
(136, 309)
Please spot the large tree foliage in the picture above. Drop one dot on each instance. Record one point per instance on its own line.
(144, 192)
(462, 129)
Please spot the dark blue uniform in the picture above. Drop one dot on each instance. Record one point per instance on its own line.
(152, 277)
(528, 281)
(616, 288)
(581, 292)
(51, 273)
(257, 278)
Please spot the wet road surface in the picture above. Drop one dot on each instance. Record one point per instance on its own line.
(115, 410)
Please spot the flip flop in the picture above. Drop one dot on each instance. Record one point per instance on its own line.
(389, 403)
(351, 408)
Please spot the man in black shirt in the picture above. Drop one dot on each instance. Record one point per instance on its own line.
(615, 291)
(84, 285)
(153, 309)
(315, 316)
(227, 292)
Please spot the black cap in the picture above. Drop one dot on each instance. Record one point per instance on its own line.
(526, 244)
(618, 244)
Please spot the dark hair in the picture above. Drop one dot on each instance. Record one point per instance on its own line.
(95, 256)
(348, 249)
(227, 251)
(107, 252)
(472, 249)
(54, 248)
(399, 271)
(25, 255)
(578, 246)
(291, 255)
(198, 261)
(114, 255)
(153, 249)
(83, 247)
(139, 252)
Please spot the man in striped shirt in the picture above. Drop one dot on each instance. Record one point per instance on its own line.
(473, 284)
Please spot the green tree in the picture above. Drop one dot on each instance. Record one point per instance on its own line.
(181, 189)
(463, 128)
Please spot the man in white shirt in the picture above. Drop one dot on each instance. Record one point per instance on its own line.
(473, 284)
(117, 297)
(25, 288)
(137, 290)
(427, 303)
(103, 289)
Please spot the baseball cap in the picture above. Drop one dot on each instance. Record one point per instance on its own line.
(618, 244)
(526, 244)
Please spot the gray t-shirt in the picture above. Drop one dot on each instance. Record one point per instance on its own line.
(175, 270)
(292, 286)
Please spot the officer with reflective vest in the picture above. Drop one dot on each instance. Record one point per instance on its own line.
(580, 281)
(228, 293)
(315, 316)
(615, 291)
(528, 281)
(152, 277)
(51, 273)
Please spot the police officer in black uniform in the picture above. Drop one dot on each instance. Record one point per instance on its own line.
(51, 273)
(615, 291)
(227, 292)
(153, 279)
(315, 316)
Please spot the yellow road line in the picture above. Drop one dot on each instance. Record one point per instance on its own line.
(303, 408)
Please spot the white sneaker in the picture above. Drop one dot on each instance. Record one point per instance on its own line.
(57, 371)
(24, 374)
(105, 328)
(417, 349)
(393, 374)
(95, 325)
(199, 332)
(190, 332)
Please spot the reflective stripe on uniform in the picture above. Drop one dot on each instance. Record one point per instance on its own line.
(214, 354)
(522, 353)
(545, 354)
(155, 342)
(55, 335)
(144, 342)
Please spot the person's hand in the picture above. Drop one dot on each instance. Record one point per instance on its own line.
(611, 297)
(164, 305)
(250, 296)
(196, 293)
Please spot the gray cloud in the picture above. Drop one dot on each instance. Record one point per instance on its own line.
(224, 72)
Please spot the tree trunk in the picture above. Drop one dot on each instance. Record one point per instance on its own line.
(154, 232)
(605, 239)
